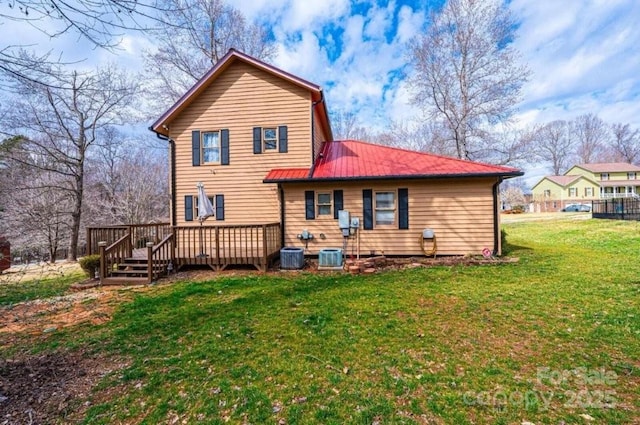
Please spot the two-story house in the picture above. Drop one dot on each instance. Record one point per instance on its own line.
(584, 183)
(260, 141)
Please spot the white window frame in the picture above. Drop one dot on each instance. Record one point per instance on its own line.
(573, 191)
(588, 191)
(327, 205)
(273, 142)
(547, 193)
(376, 208)
(212, 148)
(604, 176)
(631, 175)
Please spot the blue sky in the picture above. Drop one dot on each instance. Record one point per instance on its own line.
(584, 54)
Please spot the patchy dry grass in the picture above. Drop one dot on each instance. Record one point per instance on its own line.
(552, 338)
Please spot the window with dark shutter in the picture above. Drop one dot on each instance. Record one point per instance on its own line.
(195, 148)
(282, 139)
(224, 147)
(403, 208)
(188, 208)
(309, 203)
(367, 209)
(338, 203)
(257, 140)
(219, 207)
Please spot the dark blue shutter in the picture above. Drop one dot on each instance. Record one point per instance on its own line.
(188, 208)
(219, 207)
(367, 209)
(403, 208)
(195, 147)
(338, 203)
(282, 139)
(224, 147)
(257, 139)
(309, 204)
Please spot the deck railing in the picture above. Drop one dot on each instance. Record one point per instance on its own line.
(159, 258)
(617, 209)
(140, 234)
(215, 246)
(114, 254)
(221, 246)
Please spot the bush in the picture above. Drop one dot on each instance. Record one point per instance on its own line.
(90, 264)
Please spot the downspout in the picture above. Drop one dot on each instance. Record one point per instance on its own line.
(172, 189)
(282, 214)
(496, 217)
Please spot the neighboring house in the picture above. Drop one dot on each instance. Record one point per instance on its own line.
(260, 141)
(587, 182)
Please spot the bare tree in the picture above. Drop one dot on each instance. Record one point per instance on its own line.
(423, 136)
(466, 71)
(592, 135)
(625, 143)
(346, 126)
(37, 215)
(62, 123)
(555, 144)
(101, 22)
(127, 184)
(202, 33)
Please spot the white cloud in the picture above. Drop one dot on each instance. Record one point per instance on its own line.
(580, 52)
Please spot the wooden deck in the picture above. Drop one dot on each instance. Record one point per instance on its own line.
(142, 253)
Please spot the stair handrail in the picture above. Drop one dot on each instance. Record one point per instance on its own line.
(113, 254)
(159, 257)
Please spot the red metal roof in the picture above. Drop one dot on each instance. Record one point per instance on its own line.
(353, 160)
(281, 174)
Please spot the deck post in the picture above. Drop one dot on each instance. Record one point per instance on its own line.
(102, 245)
(218, 264)
(265, 248)
(89, 241)
(149, 262)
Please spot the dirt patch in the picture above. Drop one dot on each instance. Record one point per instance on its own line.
(94, 306)
(49, 388)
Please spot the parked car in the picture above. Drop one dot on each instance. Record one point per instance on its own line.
(577, 208)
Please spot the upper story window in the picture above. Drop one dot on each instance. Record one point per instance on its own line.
(631, 176)
(604, 176)
(547, 193)
(211, 147)
(588, 191)
(324, 203)
(573, 191)
(270, 138)
(385, 208)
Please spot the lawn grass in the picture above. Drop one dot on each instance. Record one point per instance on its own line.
(37, 287)
(545, 340)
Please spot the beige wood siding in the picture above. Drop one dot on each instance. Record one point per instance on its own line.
(460, 212)
(319, 135)
(241, 98)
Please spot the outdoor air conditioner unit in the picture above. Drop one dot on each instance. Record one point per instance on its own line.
(330, 259)
(291, 258)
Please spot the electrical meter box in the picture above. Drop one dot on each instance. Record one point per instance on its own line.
(355, 222)
(427, 234)
(343, 219)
